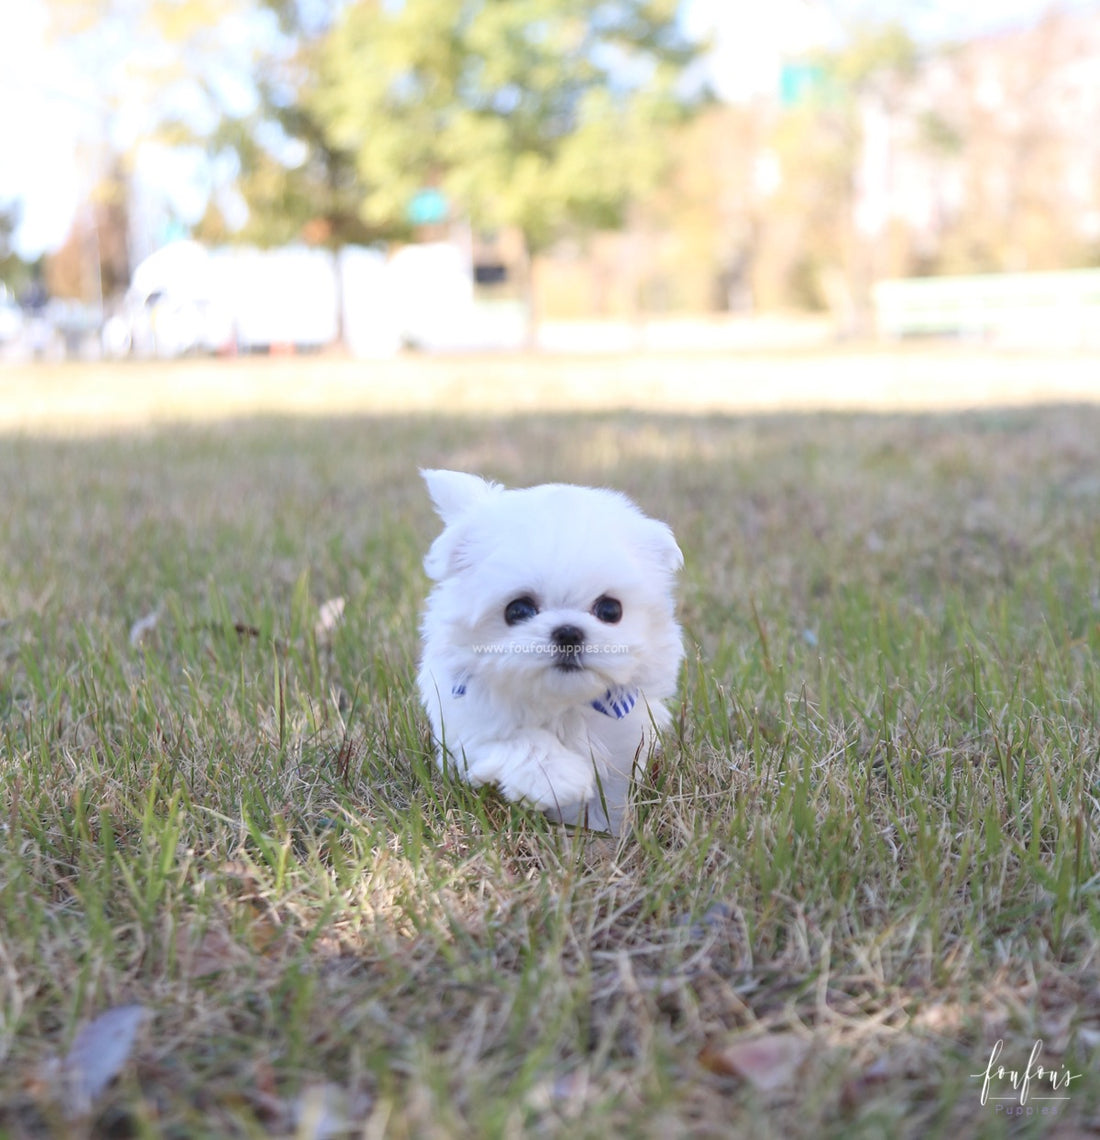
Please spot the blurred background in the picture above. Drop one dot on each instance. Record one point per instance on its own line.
(372, 176)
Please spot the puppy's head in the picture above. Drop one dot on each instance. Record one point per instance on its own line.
(555, 592)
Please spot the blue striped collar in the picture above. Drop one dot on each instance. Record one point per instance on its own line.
(616, 702)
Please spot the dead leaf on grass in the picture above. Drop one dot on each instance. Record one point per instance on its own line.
(96, 1057)
(565, 1091)
(324, 1111)
(765, 1062)
(329, 616)
(266, 936)
(214, 953)
(860, 1088)
(940, 1017)
(225, 947)
(142, 627)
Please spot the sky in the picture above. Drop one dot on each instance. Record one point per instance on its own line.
(49, 114)
(38, 131)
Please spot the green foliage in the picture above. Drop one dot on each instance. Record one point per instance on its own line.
(537, 114)
(808, 252)
(296, 183)
(314, 194)
(938, 134)
(873, 53)
(15, 273)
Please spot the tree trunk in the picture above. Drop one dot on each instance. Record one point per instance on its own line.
(528, 297)
(340, 340)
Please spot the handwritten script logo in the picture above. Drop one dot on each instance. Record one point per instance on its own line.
(998, 1079)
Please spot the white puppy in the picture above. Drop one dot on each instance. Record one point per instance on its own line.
(550, 642)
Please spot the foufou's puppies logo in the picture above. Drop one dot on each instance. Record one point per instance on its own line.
(1012, 1090)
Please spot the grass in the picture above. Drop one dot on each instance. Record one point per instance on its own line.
(874, 828)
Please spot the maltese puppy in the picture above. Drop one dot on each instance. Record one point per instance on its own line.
(550, 642)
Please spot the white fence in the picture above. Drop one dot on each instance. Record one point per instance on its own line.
(1042, 310)
(186, 298)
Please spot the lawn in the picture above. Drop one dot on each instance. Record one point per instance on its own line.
(237, 900)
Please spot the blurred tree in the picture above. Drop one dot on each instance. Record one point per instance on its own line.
(146, 62)
(223, 79)
(1022, 135)
(542, 115)
(815, 250)
(297, 184)
(111, 216)
(15, 273)
(140, 68)
(68, 270)
(93, 263)
(706, 207)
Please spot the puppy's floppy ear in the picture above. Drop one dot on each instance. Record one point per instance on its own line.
(454, 492)
(660, 544)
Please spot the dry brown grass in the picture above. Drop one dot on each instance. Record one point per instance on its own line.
(107, 396)
(872, 842)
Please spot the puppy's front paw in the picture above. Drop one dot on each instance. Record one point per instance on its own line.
(539, 771)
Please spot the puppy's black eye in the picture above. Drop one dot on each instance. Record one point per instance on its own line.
(607, 609)
(520, 609)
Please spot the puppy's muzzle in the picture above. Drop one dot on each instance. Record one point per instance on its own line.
(568, 643)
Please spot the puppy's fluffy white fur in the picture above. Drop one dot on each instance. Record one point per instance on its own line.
(550, 642)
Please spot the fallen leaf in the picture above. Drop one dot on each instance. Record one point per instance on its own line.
(266, 936)
(214, 953)
(861, 1087)
(325, 1111)
(143, 626)
(765, 1062)
(96, 1057)
(237, 869)
(566, 1090)
(329, 616)
(940, 1017)
(244, 931)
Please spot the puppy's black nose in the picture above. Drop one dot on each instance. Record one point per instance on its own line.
(567, 638)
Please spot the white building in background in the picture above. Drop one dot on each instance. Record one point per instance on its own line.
(1031, 95)
(186, 298)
